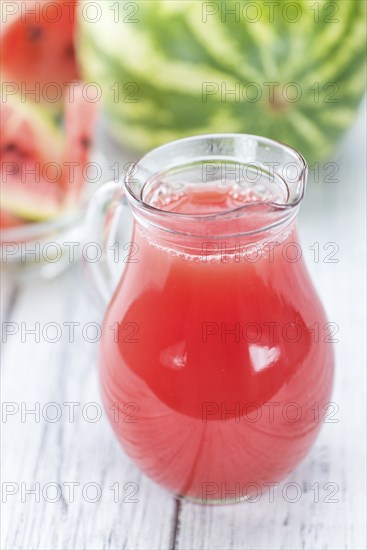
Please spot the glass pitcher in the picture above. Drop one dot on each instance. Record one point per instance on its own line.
(214, 363)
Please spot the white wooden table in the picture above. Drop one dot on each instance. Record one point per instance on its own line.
(86, 492)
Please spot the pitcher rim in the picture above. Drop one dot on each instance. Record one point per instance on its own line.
(286, 206)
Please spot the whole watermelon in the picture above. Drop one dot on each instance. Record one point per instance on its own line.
(291, 71)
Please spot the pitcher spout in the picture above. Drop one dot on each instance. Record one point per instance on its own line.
(217, 186)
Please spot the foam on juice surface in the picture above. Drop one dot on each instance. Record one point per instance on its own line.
(209, 200)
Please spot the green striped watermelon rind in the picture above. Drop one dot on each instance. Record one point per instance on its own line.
(170, 53)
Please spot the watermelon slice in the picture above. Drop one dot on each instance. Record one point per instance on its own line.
(29, 141)
(37, 45)
(44, 145)
(37, 181)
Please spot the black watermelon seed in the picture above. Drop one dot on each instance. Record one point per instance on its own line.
(10, 147)
(34, 32)
(85, 142)
(70, 50)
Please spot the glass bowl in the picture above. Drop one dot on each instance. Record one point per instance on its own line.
(45, 249)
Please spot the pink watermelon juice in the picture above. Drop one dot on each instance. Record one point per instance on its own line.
(210, 368)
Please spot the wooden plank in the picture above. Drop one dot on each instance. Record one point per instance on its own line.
(39, 451)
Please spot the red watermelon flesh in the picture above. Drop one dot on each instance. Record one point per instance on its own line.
(79, 122)
(35, 152)
(8, 220)
(28, 141)
(39, 48)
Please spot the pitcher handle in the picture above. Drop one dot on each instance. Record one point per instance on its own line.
(103, 215)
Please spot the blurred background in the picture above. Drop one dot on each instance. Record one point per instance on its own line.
(87, 88)
(158, 71)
